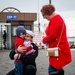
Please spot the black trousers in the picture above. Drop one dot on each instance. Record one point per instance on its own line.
(59, 72)
(4, 43)
(29, 70)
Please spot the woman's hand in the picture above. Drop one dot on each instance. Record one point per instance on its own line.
(21, 49)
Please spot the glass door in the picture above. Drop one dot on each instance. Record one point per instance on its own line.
(5, 36)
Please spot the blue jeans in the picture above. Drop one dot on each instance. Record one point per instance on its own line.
(51, 69)
(18, 68)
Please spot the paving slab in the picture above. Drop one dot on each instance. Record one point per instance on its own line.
(7, 65)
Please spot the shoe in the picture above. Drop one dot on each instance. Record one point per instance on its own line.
(54, 73)
(61, 72)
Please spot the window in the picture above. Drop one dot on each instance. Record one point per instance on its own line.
(14, 29)
(28, 27)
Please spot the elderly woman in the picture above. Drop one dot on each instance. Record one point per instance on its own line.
(55, 28)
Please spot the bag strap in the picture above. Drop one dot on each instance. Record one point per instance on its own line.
(60, 35)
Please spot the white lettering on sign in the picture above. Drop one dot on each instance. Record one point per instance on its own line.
(11, 17)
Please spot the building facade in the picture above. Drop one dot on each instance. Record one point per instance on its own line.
(15, 17)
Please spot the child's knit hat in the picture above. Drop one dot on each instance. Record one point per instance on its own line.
(20, 30)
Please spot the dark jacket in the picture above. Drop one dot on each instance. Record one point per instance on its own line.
(27, 59)
(4, 35)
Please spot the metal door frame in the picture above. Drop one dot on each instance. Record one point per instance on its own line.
(3, 24)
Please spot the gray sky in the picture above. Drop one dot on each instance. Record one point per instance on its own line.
(64, 5)
(23, 5)
(66, 8)
(32, 5)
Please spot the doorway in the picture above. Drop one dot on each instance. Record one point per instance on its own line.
(5, 27)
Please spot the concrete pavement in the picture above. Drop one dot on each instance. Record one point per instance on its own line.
(42, 63)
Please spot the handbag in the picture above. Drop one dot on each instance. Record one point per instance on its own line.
(54, 51)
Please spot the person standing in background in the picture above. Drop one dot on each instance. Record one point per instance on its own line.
(53, 32)
(4, 39)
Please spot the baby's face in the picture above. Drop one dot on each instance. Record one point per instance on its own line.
(22, 36)
(28, 37)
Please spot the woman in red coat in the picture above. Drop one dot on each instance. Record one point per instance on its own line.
(53, 31)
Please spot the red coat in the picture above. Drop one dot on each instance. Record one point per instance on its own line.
(19, 41)
(53, 32)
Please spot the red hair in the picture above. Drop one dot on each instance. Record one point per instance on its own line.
(48, 9)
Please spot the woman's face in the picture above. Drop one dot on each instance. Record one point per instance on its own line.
(46, 16)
